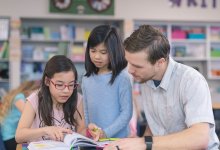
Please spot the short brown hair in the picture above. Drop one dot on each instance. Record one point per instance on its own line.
(149, 39)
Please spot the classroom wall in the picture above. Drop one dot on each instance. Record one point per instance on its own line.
(162, 10)
(125, 9)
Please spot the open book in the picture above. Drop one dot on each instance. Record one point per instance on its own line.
(70, 141)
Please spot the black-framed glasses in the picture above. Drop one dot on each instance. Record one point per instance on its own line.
(60, 86)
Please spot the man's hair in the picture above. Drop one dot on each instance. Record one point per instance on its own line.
(149, 39)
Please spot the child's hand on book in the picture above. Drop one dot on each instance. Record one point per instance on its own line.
(96, 132)
(56, 133)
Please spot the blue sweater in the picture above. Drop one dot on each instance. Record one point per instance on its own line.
(108, 106)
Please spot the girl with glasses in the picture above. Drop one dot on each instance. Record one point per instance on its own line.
(56, 109)
(106, 86)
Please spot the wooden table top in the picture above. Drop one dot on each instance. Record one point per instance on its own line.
(216, 105)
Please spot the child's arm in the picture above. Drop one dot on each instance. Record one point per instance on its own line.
(95, 132)
(25, 133)
(20, 104)
(126, 109)
(19, 101)
(81, 127)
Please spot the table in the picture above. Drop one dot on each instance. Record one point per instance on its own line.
(24, 147)
(216, 105)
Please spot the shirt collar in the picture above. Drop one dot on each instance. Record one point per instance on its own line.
(167, 76)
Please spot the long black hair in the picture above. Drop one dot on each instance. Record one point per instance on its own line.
(57, 64)
(111, 39)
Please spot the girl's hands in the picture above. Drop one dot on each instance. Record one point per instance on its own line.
(56, 133)
(96, 132)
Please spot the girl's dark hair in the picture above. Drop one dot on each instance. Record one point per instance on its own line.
(109, 36)
(57, 64)
(149, 39)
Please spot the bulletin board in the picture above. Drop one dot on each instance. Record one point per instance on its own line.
(83, 7)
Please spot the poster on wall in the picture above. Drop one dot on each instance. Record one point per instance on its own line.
(86, 7)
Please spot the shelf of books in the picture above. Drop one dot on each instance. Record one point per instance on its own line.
(43, 38)
(188, 42)
(214, 52)
(214, 58)
(4, 53)
(196, 44)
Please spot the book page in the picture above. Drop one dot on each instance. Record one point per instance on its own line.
(48, 145)
(70, 140)
(76, 140)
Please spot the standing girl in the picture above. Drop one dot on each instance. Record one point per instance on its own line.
(106, 86)
(56, 109)
(10, 111)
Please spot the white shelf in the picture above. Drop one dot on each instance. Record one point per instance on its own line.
(188, 41)
(4, 80)
(33, 61)
(44, 41)
(215, 41)
(3, 40)
(214, 59)
(79, 41)
(189, 59)
(4, 60)
(214, 78)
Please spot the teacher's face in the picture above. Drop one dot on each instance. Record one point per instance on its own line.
(139, 67)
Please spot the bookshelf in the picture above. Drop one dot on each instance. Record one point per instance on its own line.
(41, 38)
(214, 52)
(4, 53)
(196, 44)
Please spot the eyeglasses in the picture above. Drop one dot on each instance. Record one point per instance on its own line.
(61, 86)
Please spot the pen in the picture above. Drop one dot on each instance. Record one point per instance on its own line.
(108, 139)
(95, 129)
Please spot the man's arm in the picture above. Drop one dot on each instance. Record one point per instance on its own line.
(147, 132)
(194, 138)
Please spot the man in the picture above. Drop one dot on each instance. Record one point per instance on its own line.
(176, 98)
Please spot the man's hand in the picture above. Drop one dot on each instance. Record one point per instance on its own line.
(127, 144)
